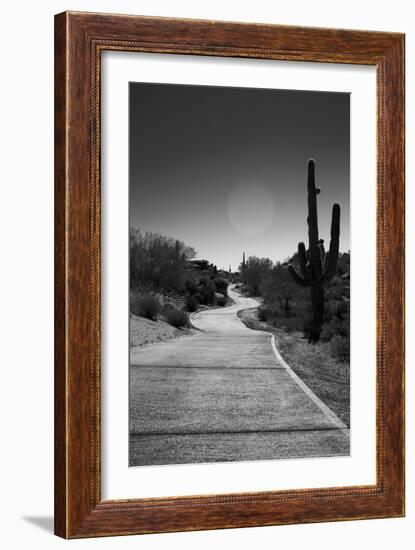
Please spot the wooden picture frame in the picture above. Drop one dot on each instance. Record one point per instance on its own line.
(79, 40)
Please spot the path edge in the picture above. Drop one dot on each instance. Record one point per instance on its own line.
(334, 419)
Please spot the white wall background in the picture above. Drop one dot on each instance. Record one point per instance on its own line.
(26, 252)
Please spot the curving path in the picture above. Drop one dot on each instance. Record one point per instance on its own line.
(222, 395)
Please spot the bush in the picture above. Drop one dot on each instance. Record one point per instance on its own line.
(221, 301)
(340, 347)
(134, 303)
(292, 324)
(157, 262)
(221, 286)
(255, 271)
(167, 306)
(247, 290)
(191, 286)
(329, 330)
(207, 292)
(147, 305)
(192, 302)
(307, 324)
(176, 317)
(264, 314)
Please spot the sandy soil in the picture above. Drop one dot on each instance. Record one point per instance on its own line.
(143, 331)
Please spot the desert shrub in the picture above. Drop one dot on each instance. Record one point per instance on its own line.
(176, 317)
(147, 305)
(207, 291)
(157, 262)
(198, 297)
(167, 306)
(292, 324)
(307, 324)
(134, 303)
(254, 272)
(191, 286)
(340, 347)
(192, 302)
(221, 286)
(328, 330)
(247, 290)
(335, 307)
(262, 314)
(288, 306)
(279, 290)
(343, 309)
(265, 313)
(221, 301)
(343, 263)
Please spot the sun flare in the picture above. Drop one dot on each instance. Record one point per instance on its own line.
(251, 207)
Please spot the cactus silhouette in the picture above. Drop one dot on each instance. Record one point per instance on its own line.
(317, 267)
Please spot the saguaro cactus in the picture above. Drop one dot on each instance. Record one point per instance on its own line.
(317, 267)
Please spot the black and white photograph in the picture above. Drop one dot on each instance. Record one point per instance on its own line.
(239, 273)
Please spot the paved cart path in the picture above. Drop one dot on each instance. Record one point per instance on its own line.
(224, 394)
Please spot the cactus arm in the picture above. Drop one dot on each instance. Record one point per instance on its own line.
(297, 278)
(324, 258)
(333, 254)
(302, 257)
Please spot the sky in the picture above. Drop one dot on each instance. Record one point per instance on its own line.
(225, 169)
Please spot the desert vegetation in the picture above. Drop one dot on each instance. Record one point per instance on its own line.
(145, 304)
(317, 268)
(287, 306)
(167, 282)
(157, 262)
(175, 317)
(309, 292)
